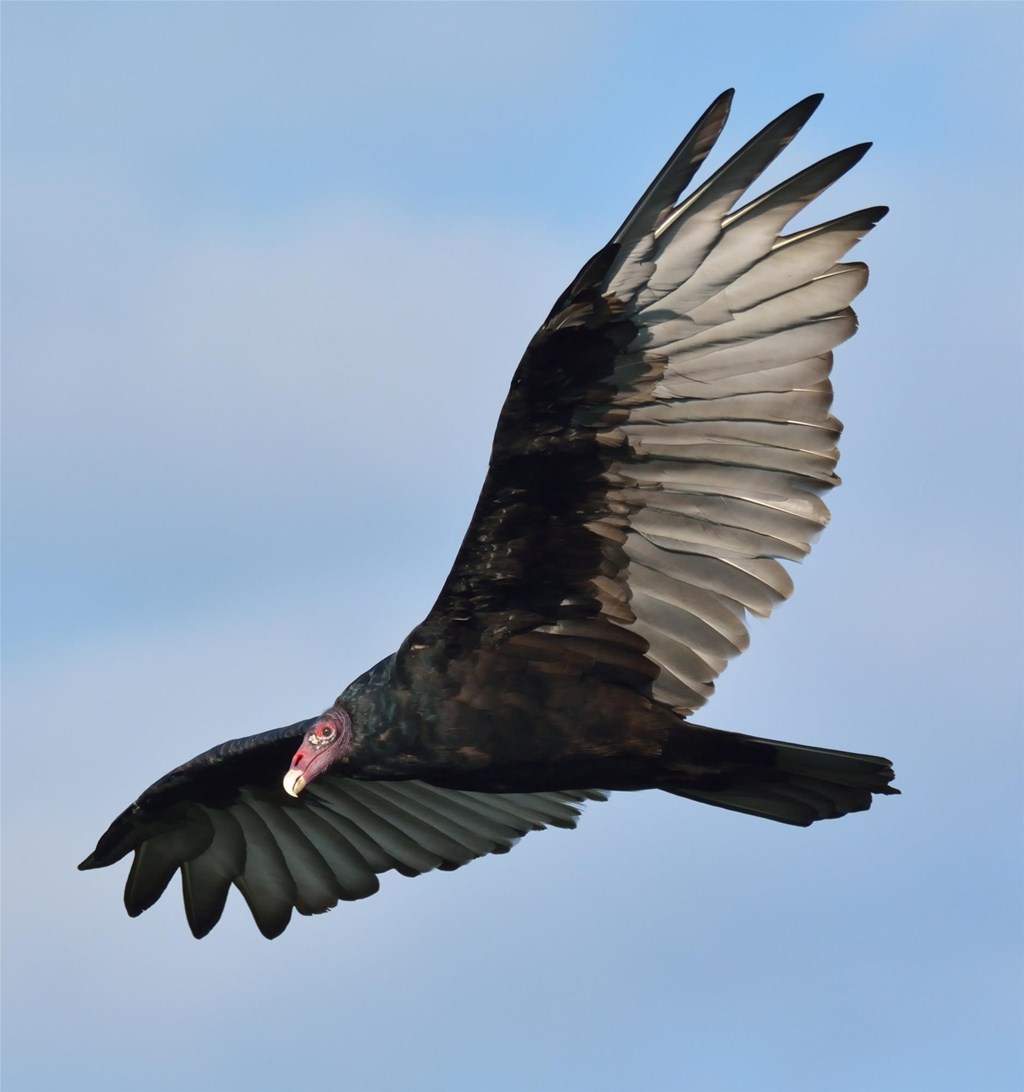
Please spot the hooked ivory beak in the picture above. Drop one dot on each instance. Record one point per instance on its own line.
(294, 782)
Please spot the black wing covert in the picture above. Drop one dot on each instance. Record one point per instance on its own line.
(667, 435)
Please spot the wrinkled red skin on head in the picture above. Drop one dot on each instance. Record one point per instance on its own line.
(312, 759)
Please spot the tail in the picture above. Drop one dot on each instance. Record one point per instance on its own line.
(789, 782)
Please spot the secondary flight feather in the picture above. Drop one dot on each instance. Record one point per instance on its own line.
(665, 444)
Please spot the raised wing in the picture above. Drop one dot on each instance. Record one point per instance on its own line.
(223, 819)
(667, 435)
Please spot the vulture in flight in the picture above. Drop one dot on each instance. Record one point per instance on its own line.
(663, 447)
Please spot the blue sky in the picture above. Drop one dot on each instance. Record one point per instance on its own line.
(268, 270)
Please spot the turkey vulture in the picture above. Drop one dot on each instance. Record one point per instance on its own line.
(664, 444)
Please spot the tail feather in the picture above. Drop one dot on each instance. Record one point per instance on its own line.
(797, 785)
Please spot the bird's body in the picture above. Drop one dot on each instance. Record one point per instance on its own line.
(664, 443)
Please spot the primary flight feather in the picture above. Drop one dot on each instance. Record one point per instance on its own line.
(664, 444)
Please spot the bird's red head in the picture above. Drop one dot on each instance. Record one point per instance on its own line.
(326, 742)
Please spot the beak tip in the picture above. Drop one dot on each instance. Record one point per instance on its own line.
(293, 782)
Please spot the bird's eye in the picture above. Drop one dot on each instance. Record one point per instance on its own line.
(324, 734)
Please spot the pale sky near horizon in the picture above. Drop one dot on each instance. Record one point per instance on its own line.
(268, 270)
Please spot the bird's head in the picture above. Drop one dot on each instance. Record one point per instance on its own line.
(324, 744)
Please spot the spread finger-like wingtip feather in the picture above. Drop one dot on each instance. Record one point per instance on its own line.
(682, 165)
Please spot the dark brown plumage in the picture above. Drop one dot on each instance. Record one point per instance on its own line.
(664, 443)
